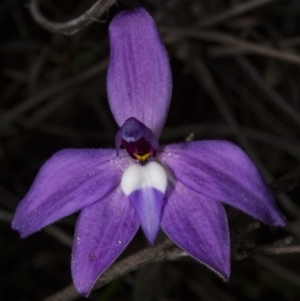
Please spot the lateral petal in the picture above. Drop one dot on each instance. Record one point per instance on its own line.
(221, 171)
(198, 225)
(69, 181)
(102, 232)
(139, 81)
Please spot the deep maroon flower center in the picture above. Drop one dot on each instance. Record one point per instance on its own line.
(138, 140)
(140, 149)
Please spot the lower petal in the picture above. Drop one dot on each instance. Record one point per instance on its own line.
(148, 204)
(198, 225)
(102, 232)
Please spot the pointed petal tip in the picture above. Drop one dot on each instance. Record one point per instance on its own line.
(85, 292)
(22, 233)
(18, 228)
(282, 223)
(22, 224)
(225, 279)
(279, 221)
(151, 236)
(223, 272)
(226, 274)
(151, 242)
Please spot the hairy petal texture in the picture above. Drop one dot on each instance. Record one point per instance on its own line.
(223, 172)
(199, 226)
(139, 80)
(69, 181)
(102, 232)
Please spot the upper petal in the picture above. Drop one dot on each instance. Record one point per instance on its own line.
(199, 226)
(222, 171)
(102, 232)
(139, 78)
(69, 181)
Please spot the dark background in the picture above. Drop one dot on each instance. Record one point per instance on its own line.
(49, 101)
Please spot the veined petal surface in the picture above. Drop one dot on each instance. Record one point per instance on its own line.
(148, 203)
(139, 79)
(69, 181)
(221, 171)
(199, 226)
(102, 232)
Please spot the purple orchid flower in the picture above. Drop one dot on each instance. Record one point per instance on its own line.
(180, 187)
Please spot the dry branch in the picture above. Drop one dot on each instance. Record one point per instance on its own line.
(74, 25)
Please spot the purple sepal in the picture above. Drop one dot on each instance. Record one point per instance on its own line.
(137, 138)
(69, 181)
(139, 81)
(221, 171)
(148, 203)
(199, 226)
(102, 232)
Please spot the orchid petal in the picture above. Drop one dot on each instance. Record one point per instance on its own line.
(102, 232)
(69, 181)
(148, 204)
(199, 226)
(139, 78)
(145, 186)
(222, 171)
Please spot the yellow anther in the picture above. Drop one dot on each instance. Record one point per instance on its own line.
(142, 158)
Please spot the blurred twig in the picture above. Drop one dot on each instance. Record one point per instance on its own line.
(278, 247)
(275, 98)
(273, 250)
(237, 10)
(279, 270)
(163, 251)
(72, 26)
(52, 91)
(206, 79)
(62, 236)
(47, 110)
(246, 96)
(286, 182)
(5, 216)
(227, 39)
